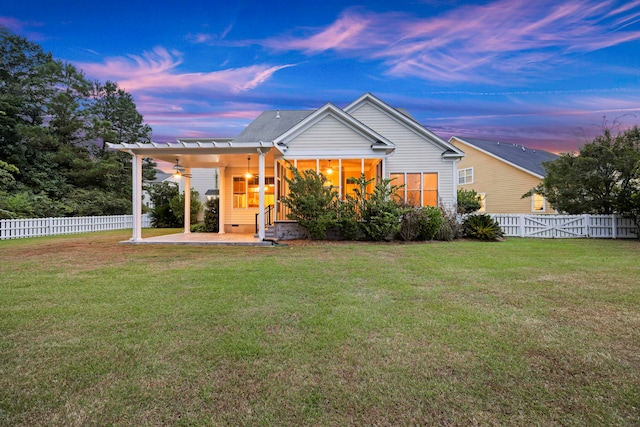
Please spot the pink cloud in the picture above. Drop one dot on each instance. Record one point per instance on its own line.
(157, 71)
(22, 27)
(472, 41)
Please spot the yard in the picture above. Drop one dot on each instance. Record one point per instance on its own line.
(523, 332)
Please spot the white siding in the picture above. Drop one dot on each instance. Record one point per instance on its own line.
(329, 138)
(414, 153)
(201, 180)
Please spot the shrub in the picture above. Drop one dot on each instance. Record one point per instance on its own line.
(212, 216)
(347, 219)
(420, 223)
(310, 202)
(450, 228)
(468, 201)
(482, 227)
(380, 213)
(198, 228)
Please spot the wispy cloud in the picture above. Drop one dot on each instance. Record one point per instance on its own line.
(158, 71)
(472, 42)
(22, 27)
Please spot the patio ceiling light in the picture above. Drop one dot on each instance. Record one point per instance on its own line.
(248, 174)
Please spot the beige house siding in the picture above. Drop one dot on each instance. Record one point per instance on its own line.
(502, 183)
(413, 152)
(239, 220)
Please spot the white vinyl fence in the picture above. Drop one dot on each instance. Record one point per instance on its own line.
(566, 226)
(34, 227)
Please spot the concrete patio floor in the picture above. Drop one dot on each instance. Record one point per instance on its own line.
(230, 239)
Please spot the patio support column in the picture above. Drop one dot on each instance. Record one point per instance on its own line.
(261, 194)
(136, 184)
(221, 201)
(187, 200)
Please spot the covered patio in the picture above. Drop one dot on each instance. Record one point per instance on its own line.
(203, 239)
(220, 153)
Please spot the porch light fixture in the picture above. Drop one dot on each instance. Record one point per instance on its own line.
(248, 174)
(329, 170)
(179, 170)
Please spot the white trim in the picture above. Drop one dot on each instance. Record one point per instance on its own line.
(344, 118)
(405, 120)
(533, 203)
(462, 170)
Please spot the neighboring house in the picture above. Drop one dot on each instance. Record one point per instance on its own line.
(501, 173)
(160, 178)
(367, 137)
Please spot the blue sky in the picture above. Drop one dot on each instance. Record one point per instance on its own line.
(546, 74)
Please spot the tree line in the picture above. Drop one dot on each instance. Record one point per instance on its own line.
(602, 178)
(54, 125)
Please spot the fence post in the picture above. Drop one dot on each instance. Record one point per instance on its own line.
(614, 226)
(521, 230)
(586, 219)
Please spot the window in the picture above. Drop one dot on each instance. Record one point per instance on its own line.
(420, 189)
(239, 192)
(246, 191)
(483, 202)
(465, 176)
(538, 203)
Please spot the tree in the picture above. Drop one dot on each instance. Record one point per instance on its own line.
(603, 178)
(49, 127)
(310, 202)
(468, 201)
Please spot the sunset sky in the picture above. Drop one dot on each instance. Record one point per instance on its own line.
(546, 74)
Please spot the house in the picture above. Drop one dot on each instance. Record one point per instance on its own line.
(368, 137)
(501, 173)
(160, 178)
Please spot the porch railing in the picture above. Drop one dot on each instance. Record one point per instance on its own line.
(268, 217)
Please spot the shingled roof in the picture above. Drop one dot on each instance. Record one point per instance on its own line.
(519, 155)
(271, 124)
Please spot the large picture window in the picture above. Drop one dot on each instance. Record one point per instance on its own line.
(420, 188)
(246, 191)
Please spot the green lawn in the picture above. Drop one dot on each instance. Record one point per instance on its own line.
(523, 332)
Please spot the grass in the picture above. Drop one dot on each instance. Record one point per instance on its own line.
(523, 332)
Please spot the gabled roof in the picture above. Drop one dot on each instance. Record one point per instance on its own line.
(527, 159)
(378, 142)
(402, 116)
(271, 124)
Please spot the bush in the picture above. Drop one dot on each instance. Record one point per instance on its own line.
(482, 227)
(212, 216)
(310, 202)
(347, 219)
(420, 223)
(468, 201)
(380, 213)
(198, 228)
(450, 228)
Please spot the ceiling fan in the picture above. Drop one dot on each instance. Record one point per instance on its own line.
(179, 170)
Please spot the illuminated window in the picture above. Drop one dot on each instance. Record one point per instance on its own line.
(246, 191)
(538, 203)
(465, 176)
(239, 192)
(483, 202)
(420, 189)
